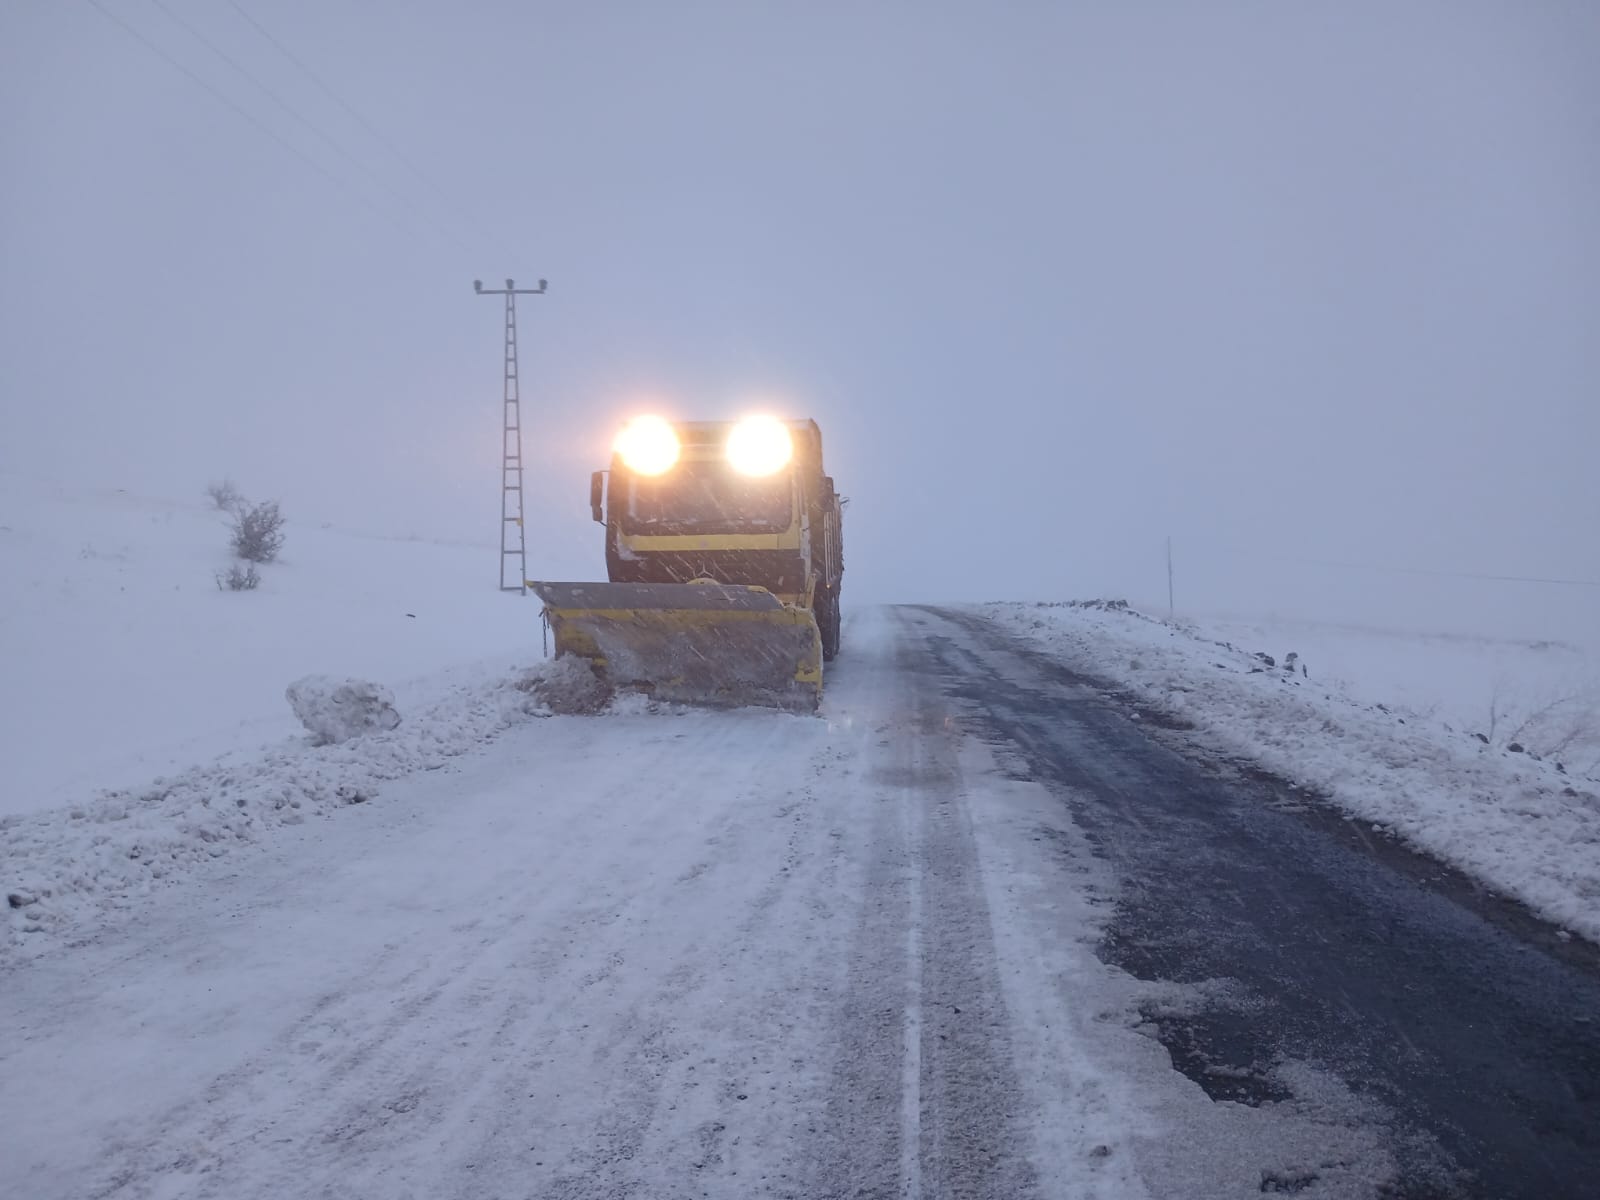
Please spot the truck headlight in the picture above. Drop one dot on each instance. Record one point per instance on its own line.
(759, 446)
(648, 446)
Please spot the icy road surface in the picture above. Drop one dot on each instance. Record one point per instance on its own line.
(947, 940)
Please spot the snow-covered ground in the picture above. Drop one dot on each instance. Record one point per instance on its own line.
(1482, 752)
(494, 948)
(147, 726)
(123, 661)
(653, 953)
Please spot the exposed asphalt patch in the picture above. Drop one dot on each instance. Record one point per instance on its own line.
(1314, 808)
(1454, 1011)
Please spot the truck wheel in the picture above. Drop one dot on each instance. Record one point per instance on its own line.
(828, 624)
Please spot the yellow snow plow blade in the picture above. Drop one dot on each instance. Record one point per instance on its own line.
(692, 643)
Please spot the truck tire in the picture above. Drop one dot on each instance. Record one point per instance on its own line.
(828, 623)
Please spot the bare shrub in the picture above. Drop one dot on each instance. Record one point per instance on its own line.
(1498, 707)
(258, 532)
(1563, 724)
(225, 497)
(241, 577)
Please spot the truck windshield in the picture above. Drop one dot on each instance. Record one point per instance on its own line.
(708, 497)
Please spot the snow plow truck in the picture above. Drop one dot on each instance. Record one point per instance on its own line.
(724, 557)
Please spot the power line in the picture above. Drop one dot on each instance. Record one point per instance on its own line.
(243, 112)
(466, 214)
(309, 124)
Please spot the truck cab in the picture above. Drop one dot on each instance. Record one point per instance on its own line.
(733, 502)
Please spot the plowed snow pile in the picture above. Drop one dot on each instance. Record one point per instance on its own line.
(62, 869)
(1482, 753)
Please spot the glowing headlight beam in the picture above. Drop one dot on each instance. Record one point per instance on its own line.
(759, 446)
(648, 446)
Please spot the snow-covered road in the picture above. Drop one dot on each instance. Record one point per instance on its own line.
(659, 955)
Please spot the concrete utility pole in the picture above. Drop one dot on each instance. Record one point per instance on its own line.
(511, 444)
(1172, 609)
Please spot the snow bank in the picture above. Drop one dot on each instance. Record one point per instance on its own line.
(1525, 824)
(336, 710)
(62, 870)
(567, 685)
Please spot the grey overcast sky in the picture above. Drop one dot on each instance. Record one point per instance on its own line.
(1298, 284)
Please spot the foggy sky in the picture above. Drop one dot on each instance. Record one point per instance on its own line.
(1297, 285)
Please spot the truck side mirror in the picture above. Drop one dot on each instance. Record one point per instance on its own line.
(596, 490)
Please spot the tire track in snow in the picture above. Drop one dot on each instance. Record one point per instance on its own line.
(974, 1140)
(244, 1141)
(911, 1069)
(646, 1048)
(571, 970)
(923, 1026)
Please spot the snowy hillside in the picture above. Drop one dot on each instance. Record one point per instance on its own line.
(124, 661)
